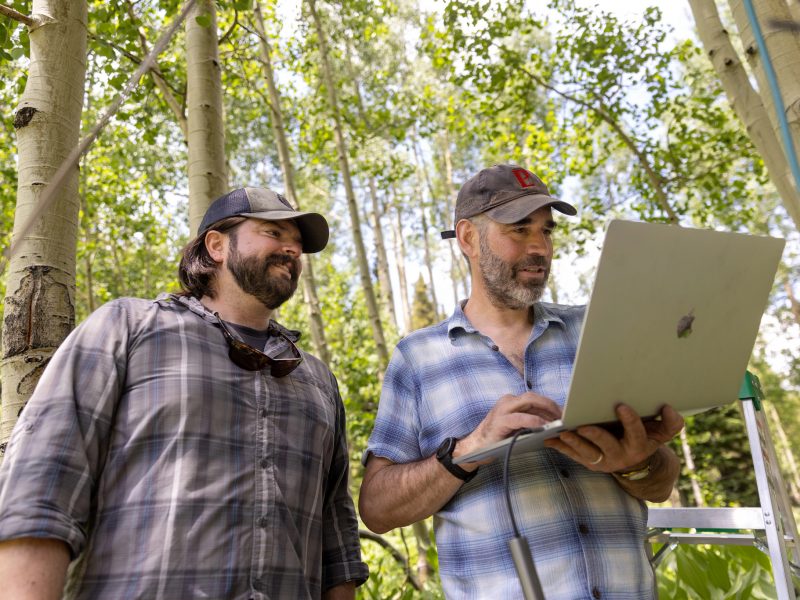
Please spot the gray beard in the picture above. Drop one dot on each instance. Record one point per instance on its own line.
(500, 279)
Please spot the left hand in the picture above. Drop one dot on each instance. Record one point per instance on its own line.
(599, 450)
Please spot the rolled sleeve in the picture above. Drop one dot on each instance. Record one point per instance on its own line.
(58, 446)
(396, 432)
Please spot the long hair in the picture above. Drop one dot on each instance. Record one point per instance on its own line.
(197, 270)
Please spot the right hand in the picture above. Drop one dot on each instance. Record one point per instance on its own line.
(510, 414)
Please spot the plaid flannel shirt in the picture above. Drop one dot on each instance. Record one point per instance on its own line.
(172, 473)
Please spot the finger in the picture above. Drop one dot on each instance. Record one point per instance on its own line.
(667, 427)
(520, 420)
(594, 463)
(634, 432)
(585, 450)
(530, 403)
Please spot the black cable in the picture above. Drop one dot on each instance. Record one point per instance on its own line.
(505, 478)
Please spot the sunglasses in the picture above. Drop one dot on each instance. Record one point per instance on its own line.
(251, 359)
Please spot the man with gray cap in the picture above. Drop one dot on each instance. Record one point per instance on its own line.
(186, 447)
(501, 363)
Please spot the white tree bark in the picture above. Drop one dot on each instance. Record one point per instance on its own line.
(40, 287)
(783, 46)
(398, 241)
(208, 173)
(287, 169)
(352, 206)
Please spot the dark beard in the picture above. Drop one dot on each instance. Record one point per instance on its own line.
(253, 276)
(500, 279)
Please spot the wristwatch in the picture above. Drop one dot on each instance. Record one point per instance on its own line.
(444, 454)
(635, 474)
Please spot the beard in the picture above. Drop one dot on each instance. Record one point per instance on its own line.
(500, 278)
(253, 276)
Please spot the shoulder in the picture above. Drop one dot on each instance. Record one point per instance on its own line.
(420, 339)
(566, 312)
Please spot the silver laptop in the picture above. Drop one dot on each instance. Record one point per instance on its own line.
(672, 319)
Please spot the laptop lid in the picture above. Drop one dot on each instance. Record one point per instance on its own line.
(672, 319)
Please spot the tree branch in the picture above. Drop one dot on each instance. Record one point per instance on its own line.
(17, 16)
(167, 91)
(395, 554)
(653, 177)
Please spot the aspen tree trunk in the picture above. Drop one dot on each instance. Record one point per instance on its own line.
(40, 287)
(169, 97)
(425, 240)
(344, 166)
(747, 103)
(287, 169)
(386, 293)
(794, 303)
(457, 271)
(384, 281)
(398, 241)
(784, 51)
(689, 459)
(794, 10)
(786, 449)
(208, 174)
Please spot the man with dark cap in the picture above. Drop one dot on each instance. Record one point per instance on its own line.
(502, 362)
(185, 447)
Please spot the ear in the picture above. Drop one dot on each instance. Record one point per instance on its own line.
(468, 238)
(217, 245)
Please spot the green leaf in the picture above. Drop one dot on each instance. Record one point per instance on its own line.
(203, 20)
(17, 52)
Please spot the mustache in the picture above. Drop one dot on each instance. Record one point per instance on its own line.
(291, 262)
(532, 261)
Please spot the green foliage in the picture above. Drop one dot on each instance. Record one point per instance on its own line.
(423, 312)
(576, 93)
(719, 445)
(716, 573)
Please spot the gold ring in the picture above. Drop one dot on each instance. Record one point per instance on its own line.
(598, 459)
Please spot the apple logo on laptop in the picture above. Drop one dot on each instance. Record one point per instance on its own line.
(685, 325)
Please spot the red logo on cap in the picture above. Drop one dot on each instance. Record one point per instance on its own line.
(524, 177)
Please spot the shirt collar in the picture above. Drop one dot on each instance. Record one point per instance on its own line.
(458, 323)
(194, 305)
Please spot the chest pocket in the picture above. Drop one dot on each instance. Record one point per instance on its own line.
(304, 421)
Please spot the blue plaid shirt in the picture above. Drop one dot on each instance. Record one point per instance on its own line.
(586, 534)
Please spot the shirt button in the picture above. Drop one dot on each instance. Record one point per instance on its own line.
(564, 473)
(583, 529)
(264, 463)
(263, 522)
(596, 593)
(495, 347)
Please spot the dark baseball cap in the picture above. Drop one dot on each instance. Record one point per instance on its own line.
(261, 203)
(506, 194)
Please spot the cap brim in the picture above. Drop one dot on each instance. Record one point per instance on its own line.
(313, 226)
(518, 209)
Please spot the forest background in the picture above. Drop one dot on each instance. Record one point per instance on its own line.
(373, 113)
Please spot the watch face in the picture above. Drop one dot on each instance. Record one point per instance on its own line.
(445, 448)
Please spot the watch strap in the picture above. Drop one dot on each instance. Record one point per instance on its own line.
(445, 456)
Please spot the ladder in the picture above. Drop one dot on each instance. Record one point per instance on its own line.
(773, 517)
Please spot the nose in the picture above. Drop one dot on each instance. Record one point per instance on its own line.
(293, 247)
(538, 243)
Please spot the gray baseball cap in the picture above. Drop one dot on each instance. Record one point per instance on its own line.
(507, 194)
(261, 203)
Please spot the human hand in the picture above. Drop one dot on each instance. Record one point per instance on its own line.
(510, 414)
(599, 450)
